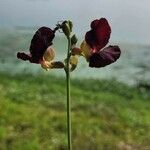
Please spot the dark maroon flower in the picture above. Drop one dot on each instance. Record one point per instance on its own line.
(99, 34)
(95, 41)
(41, 40)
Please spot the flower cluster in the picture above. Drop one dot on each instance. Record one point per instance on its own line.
(92, 48)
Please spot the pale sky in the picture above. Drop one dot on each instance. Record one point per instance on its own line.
(129, 19)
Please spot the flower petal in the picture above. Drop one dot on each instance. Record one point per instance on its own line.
(73, 62)
(40, 42)
(49, 54)
(86, 50)
(51, 65)
(99, 34)
(45, 64)
(94, 23)
(105, 57)
(23, 56)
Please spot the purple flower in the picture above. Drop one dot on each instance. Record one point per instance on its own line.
(41, 40)
(95, 41)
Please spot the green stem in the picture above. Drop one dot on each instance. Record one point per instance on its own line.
(68, 96)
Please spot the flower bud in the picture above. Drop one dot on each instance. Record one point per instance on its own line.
(73, 62)
(76, 51)
(70, 25)
(74, 40)
(66, 28)
(57, 64)
(49, 54)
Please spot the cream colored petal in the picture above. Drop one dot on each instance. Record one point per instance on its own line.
(86, 50)
(46, 65)
(49, 54)
(73, 60)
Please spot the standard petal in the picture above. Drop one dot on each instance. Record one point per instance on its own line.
(99, 35)
(102, 33)
(105, 57)
(94, 23)
(40, 42)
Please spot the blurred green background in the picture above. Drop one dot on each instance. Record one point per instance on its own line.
(110, 106)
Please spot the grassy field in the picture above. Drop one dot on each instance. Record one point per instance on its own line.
(106, 115)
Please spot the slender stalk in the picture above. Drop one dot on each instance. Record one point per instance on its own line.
(68, 96)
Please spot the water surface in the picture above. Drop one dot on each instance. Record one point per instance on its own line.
(132, 66)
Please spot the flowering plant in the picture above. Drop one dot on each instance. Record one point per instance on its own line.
(92, 49)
